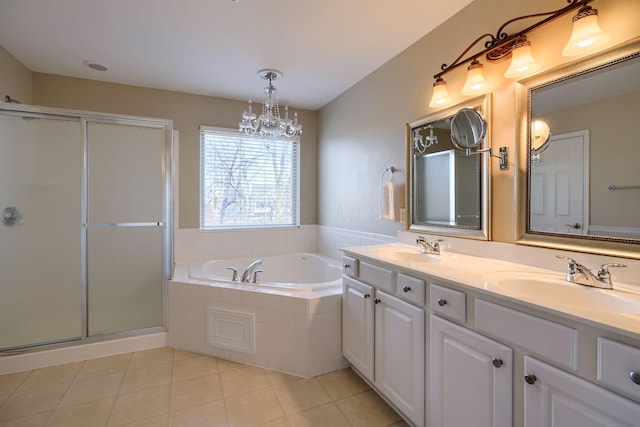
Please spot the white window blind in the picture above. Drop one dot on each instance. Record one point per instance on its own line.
(247, 181)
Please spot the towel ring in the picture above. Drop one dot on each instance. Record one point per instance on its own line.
(389, 170)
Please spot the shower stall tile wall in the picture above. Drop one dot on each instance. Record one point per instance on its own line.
(296, 335)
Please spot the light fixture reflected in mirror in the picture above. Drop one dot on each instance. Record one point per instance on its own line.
(475, 84)
(522, 61)
(421, 144)
(440, 94)
(587, 35)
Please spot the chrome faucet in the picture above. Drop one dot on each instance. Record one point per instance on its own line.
(246, 276)
(429, 248)
(581, 275)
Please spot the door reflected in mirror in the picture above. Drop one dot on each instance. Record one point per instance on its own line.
(581, 138)
(448, 187)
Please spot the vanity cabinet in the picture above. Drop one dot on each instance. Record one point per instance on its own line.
(357, 326)
(470, 378)
(553, 397)
(384, 335)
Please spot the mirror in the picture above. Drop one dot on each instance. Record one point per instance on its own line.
(579, 181)
(468, 129)
(449, 189)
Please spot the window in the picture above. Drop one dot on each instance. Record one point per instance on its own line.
(247, 181)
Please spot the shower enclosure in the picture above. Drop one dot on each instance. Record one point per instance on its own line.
(85, 231)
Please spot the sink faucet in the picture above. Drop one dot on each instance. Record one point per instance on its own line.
(429, 248)
(246, 276)
(581, 275)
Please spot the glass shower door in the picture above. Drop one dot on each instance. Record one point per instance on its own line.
(124, 227)
(40, 229)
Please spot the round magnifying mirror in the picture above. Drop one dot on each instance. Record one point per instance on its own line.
(540, 134)
(468, 129)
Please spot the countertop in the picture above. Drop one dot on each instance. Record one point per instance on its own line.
(493, 277)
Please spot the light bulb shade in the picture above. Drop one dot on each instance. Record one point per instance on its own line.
(587, 35)
(440, 93)
(475, 84)
(522, 62)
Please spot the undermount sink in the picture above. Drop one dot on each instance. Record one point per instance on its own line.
(406, 255)
(553, 288)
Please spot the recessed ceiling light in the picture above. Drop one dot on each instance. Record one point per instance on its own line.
(94, 65)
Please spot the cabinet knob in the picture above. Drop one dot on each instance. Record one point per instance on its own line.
(406, 288)
(377, 300)
(497, 362)
(530, 379)
(442, 302)
(347, 266)
(366, 296)
(635, 377)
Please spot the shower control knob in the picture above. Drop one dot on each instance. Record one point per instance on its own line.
(530, 379)
(406, 288)
(442, 302)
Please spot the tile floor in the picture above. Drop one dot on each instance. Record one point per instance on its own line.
(167, 387)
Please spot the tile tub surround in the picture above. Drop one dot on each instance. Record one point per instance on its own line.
(295, 335)
(165, 387)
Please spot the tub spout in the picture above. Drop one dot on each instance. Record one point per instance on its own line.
(246, 276)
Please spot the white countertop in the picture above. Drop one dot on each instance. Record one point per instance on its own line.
(494, 277)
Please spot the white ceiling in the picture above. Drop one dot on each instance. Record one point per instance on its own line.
(216, 47)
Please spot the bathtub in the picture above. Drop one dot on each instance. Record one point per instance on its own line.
(298, 272)
(290, 321)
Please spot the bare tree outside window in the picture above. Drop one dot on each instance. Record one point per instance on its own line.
(247, 181)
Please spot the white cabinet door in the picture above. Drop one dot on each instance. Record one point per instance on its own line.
(399, 363)
(559, 399)
(470, 378)
(357, 326)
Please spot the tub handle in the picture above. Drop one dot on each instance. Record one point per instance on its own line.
(234, 275)
(255, 276)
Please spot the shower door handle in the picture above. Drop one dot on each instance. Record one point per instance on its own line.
(11, 216)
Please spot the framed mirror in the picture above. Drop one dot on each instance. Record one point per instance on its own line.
(578, 180)
(448, 188)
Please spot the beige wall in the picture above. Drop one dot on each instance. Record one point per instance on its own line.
(188, 112)
(15, 78)
(362, 131)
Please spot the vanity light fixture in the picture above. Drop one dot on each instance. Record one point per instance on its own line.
(586, 35)
(522, 62)
(440, 93)
(475, 84)
(269, 123)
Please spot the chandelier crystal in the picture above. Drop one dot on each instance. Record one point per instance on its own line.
(269, 123)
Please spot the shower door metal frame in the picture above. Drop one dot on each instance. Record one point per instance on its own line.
(86, 117)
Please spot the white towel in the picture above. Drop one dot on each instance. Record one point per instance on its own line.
(386, 201)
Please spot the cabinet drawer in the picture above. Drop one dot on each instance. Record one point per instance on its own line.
(349, 266)
(551, 341)
(448, 302)
(616, 364)
(381, 278)
(411, 288)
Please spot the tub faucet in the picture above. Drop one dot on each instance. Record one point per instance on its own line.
(429, 248)
(246, 276)
(581, 275)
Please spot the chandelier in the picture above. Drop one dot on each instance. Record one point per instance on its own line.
(269, 123)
